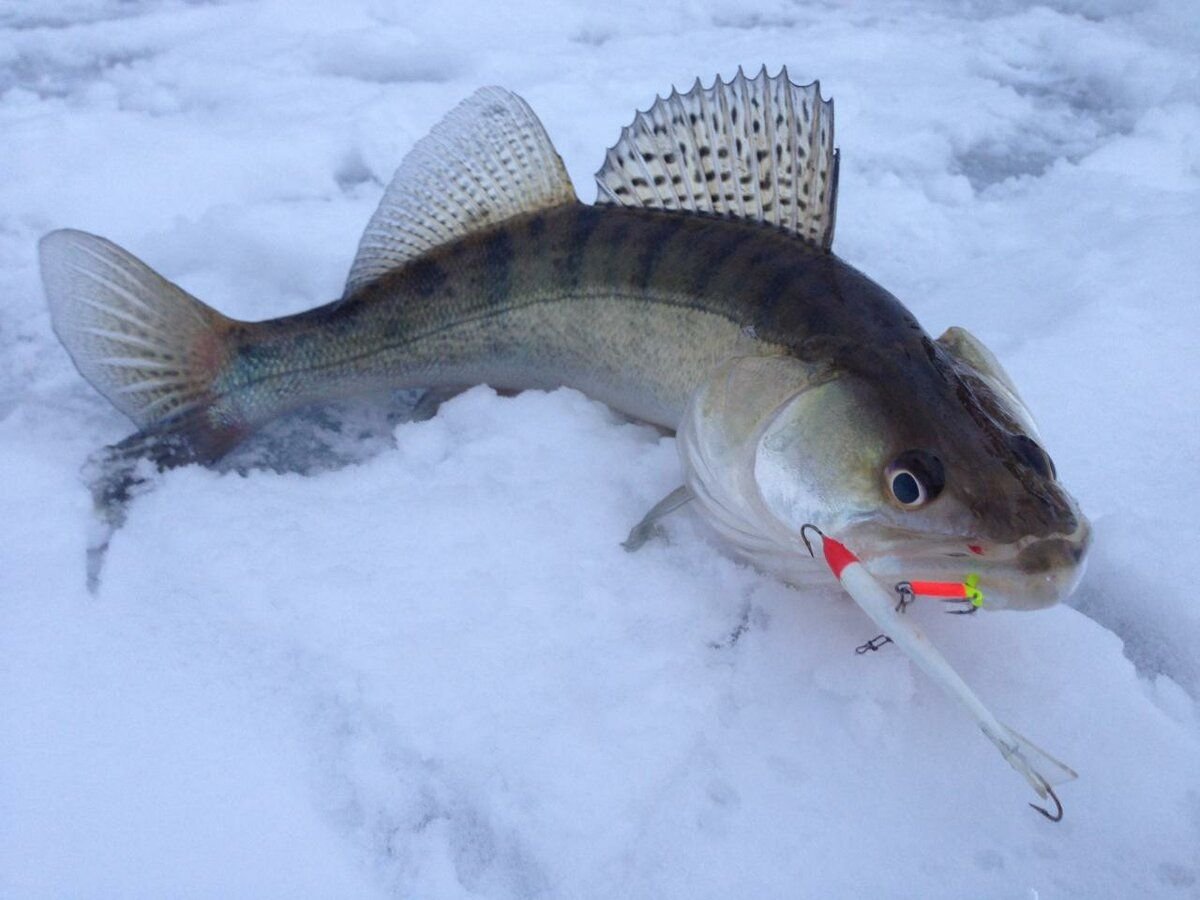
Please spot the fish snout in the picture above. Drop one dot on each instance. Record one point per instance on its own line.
(1050, 568)
(1050, 554)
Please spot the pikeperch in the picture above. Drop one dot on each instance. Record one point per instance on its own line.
(699, 293)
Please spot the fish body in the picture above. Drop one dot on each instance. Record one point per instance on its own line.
(635, 307)
(699, 294)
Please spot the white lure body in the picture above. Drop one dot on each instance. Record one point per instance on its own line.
(1037, 767)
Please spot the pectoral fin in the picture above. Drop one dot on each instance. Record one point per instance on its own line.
(646, 529)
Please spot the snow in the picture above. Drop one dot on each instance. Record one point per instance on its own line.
(414, 660)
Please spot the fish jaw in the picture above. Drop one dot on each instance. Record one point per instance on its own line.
(1028, 574)
(771, 444)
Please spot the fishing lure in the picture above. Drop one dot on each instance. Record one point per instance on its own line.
(1039, 768)
(966, 591)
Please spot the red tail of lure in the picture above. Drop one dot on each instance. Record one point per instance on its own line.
(837, 557)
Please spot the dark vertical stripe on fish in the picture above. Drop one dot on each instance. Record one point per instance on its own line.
(654, 246)
(429, 278)
(582, 226)
(715, 260)
(499, 263)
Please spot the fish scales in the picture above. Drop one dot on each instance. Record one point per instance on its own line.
(604, 299)
(700, 293)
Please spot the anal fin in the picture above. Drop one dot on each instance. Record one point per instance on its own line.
(431, 401)
(119, 473)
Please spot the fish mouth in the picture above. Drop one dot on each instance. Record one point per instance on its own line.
(1047, 570)
(1031, 573)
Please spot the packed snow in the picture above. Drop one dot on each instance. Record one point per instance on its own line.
(382, 657)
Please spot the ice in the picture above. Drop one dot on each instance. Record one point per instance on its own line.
(374, 657)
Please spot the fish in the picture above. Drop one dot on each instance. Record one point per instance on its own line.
(699, 293)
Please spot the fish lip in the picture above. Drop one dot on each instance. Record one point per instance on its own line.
(1047, 554)
(1033, 572)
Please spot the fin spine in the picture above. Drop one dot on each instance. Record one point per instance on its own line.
(753, 148)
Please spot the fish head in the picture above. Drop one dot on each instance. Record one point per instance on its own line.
(926, 475)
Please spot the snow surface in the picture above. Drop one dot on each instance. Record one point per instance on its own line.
(414, 660)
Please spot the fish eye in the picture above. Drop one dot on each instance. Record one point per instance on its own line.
(1030, 452)
(914, 478)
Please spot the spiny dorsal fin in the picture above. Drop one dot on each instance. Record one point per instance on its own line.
(489, 159)
(752, 148)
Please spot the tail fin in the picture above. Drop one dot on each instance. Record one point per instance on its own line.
(150, 348)
(1031, 760)
(1038, 767)
(144, 343)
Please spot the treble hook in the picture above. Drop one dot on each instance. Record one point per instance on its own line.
(1058, 814)
(907, 597)
(804, 537)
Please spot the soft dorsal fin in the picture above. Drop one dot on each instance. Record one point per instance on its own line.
(753, 148)
(488, 160)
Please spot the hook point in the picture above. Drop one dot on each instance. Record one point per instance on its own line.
(1055, 816)
(804, 537)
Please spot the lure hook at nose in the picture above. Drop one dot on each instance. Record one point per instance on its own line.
(804, 537)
